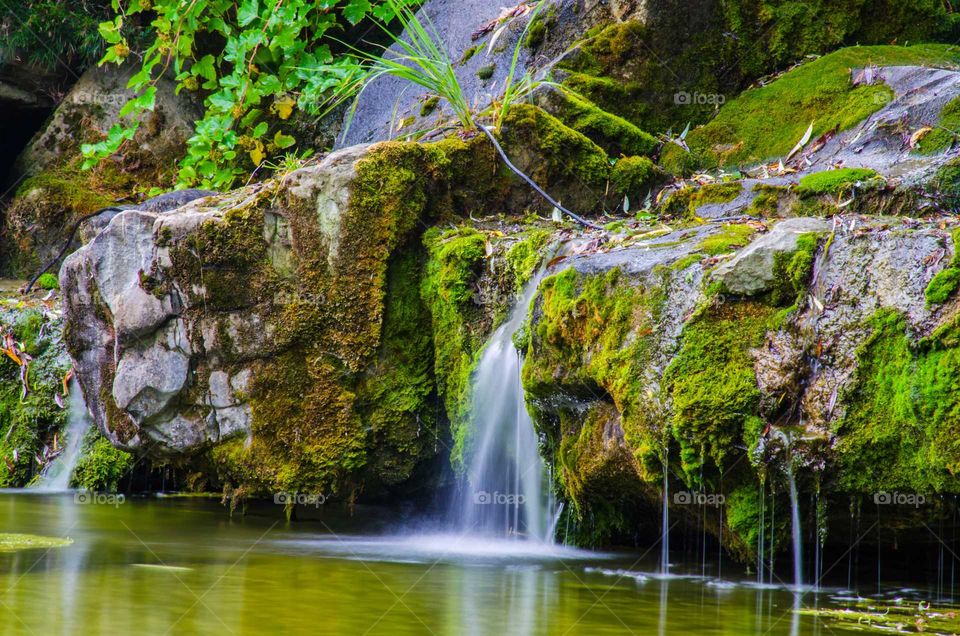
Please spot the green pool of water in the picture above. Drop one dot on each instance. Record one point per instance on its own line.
(182, 566)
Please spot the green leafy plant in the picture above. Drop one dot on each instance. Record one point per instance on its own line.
(254, 62)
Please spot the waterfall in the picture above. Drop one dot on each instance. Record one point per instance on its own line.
(56, 476)
(795, 525)
(504, 493)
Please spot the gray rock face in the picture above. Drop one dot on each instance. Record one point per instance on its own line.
(97, 98)
(751, 271)
(172, 373)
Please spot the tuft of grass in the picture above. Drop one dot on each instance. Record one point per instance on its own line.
(419, 58)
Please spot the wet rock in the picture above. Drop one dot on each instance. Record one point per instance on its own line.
(751, 271)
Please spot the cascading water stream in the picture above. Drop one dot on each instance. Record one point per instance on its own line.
(504, 493)
(56, 476)
(665, 527)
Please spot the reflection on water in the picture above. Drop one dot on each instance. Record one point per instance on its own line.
(183, 567)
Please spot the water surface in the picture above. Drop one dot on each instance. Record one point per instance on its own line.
(182, 566)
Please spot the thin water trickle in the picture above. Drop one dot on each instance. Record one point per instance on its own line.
(665, 522)
(505, 492)
(795, 526)
(56, 476)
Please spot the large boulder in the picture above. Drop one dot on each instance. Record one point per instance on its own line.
(52, 191)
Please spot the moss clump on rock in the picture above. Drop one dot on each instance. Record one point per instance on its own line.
(834, 181)
(30, 420)
(945, 134)
(574, 168)
(101, 466)
(614, 134)
(943, 285)
(712, 383)
(792, 270)
(342, 404)
(732, 237)
(526, 255)
(455, 261)
(635, 177)
(946, 184)
(592, 337)
(898, 431)
(684, 203)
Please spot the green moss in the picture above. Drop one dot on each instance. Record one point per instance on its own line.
(945, 282)
(712, 384)
(455, 261)
(946, 184)
(486, 72)
(17, 542)
(683, 204)
(615, 135)
(43, 208)
(944, 135)
(28, 422)
(732, 237)
(525, 256)
(834, 181)
(792, 270)
(429, 105)
(766, 203)
(678, 161)
(766, 122)
(898, 431)
(592, 337)
(101, 466)
(469, 53)
(394, 401)
(539, 28)
(48, 281)
(556, 156)
(339, 405)
(635, 177)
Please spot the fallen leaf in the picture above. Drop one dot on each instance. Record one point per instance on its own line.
(916, 137)
(803, 142)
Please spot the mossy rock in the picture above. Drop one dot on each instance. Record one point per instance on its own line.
(945, 283)
(945, 133)
(765, 123)
(835, 181)
(565, 162)
(636, 178)
(684, 203)
(898, 432)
